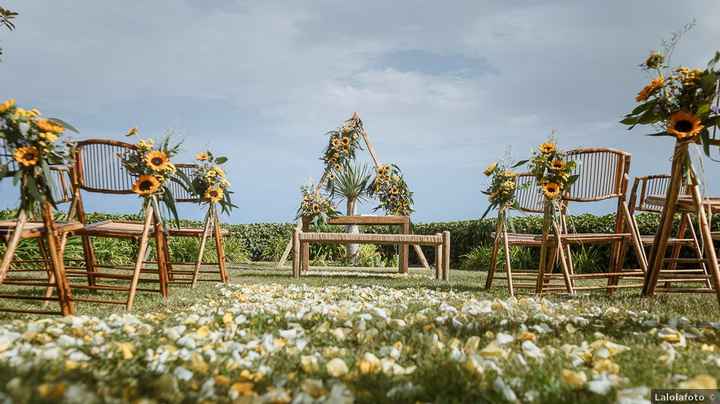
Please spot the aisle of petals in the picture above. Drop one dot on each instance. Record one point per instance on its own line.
(281, 344)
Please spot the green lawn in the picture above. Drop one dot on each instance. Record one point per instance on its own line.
(363, 335)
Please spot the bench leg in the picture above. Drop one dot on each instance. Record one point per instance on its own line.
(446, 255)
(438, 260)
(296, 254)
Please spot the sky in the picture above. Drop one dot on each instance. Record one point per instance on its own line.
(444, 88)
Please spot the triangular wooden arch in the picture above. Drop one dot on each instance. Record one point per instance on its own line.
(323, 179)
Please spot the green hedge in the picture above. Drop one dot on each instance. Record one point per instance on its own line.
(266, 241)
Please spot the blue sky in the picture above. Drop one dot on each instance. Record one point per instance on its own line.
(444, 88)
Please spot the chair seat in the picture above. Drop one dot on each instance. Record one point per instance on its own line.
(524, 239)
(114, 229)
(649, 239)
(594, 237)
(36, 229)
(191, 232)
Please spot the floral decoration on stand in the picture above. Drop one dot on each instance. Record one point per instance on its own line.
(679, 102)
(208, 182)
(32, 144)
(552, 170)
(343, 143)
(315, 207)
(501, 191)
(392, 191)
(151, 167)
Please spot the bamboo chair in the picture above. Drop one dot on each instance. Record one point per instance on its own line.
(528, 199)
(654, 185)
(98, 169)
(211, 227)
(46, 273)
(602, 175)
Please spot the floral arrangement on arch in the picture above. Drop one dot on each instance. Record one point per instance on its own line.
(679, 102)
(342, 146)
(151, 166)
(32, 144)
(501, 191)
(392, 191)
(315, 207)
(208, 182)
(551, 169)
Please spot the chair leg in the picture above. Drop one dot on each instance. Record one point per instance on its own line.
(161, 255)
(493, 261)
(201, 253)
(438, 260)
(57, 262)
(12, 246)
(219, 247)
(140, 258)
(508, 265)
(698, 250)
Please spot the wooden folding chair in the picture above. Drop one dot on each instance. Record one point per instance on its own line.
(602, 175)
(529, 199)
(99, 169)
(45, 274)
(211, 226)
(657, 185)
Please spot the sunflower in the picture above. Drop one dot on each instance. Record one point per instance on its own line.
(551, 190)
(337, 167)
(557, 165)
(345, 141)
(146, 185)
(7, 105)
(489, 169)
(214, 194)
(157, 160)
(316, 208)
(202, 156)
(132, 132)
(654, 61)
(394, 191)
(508, 185)
(347, 130)
(47, 126)
(649, 89)
(547, 148)
(145, 144)
(335, 142)
(26, 155)
(48, 136)
(684, 125)
(509, 174)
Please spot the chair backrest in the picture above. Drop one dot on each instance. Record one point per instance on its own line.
(99, 168)
(61, 178)
(602, 174)
(647, 186)
(528, 197)
(178, 192)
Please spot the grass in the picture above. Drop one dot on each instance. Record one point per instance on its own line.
(449, 333)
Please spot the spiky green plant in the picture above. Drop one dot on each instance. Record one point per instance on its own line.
(350, 182)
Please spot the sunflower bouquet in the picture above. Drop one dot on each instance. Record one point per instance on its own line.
(392, 191)
(315, 207)
(208, 182)
(342, 145)
(32, 145)
(501, 191)
(552, 170)
(679, 102)
(151, 166)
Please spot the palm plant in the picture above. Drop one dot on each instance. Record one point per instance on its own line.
(350, 182)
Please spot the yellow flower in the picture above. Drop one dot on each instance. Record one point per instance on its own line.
(215, 171)
(145, 144)
(243, 388)
(346, 141)
(489, 169)
(508, 185)
(557, 165)
(509, 174)
(51, 391)
(655, 60)
(369, 364)
(700, 382)
(132, 132)
(7, 105)
(335, 142)
(547, 147)
(214, 194)
(649, 89)
(157, 160)
(26, 155)
(337, 167)
(49, 136)
(146, 185)
(551, 190)
(684, 125)
(202, 156)
(46, 126)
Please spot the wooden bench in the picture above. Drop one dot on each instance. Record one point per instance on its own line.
(441, 242)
